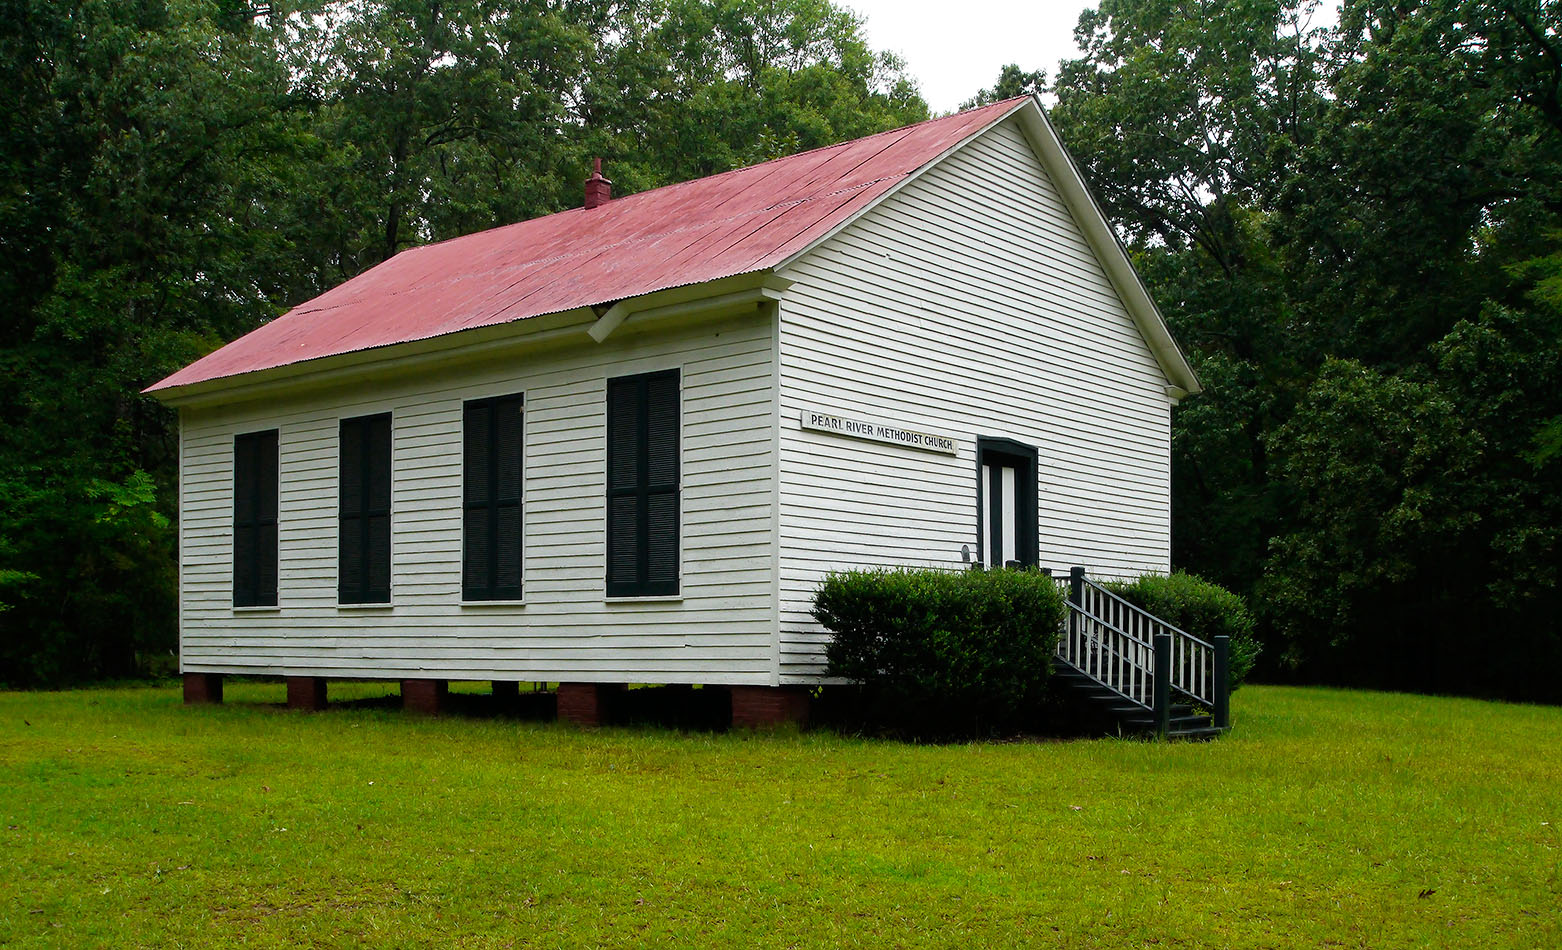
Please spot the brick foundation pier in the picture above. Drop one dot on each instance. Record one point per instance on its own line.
(424, 696)
(202, 688)
(306, 692)
(585, 704)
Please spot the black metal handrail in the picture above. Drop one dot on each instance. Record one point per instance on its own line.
(1119, 644)
(1109, 655)
(1174, 630)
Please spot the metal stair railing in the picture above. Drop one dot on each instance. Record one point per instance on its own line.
(1139, 655)
(1109, 655)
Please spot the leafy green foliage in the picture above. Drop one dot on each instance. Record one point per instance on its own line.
(753, 80)
(1012, 82)
(139, 143)
(1356, 232)
(948, 650)
(482, 115)
(173, 173)
(1450, 526)
(1195, 605)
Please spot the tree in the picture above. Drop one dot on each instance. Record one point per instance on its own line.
(1182, 115)
(486, 113)
(1353, 230)
(1012, 82)
(176, 172)
(751, 80)
(141, 146)
(1426, 550)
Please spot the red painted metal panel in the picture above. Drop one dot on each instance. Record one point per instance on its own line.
(733, 223)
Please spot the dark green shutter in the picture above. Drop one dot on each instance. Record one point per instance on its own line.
(377, 482)
(364, 487)
(642, 484)
(244, 491)
(623, 480)
(661, 485)
(493, 431)
(255, 519)
(509, 424)
(349, 570)
(477, 535)
(268, 489)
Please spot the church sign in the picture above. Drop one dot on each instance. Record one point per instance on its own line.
(905, 436)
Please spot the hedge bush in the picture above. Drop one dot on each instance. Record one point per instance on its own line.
(971, 649)
(1199, 607)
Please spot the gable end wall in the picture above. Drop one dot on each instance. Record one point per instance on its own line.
(968, 304)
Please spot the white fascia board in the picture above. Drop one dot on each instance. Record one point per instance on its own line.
(651, 307)
(396, 357)
(533, 333)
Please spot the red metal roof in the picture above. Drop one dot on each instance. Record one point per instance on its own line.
(745, 220)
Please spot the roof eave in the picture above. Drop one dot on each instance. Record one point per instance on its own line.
(326, 370)
(565, 327)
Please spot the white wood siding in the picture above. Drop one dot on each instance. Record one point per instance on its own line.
(969, 304)
(722, 629)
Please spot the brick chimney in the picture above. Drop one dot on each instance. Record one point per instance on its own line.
(598, 189)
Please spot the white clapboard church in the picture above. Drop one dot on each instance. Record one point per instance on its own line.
(623, 443)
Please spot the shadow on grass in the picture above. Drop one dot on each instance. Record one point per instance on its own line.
(844, 710)
(685, 708)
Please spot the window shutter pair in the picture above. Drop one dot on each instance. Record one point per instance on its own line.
(493, 474)
(255, 519)
(363, 555)
(642, 484)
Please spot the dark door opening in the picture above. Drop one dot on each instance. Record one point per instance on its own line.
(1006, 503)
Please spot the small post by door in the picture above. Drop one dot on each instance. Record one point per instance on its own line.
(1005, 503)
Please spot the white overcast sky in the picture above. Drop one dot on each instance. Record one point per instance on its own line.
(955, 47)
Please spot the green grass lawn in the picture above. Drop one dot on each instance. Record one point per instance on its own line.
(1327, 819)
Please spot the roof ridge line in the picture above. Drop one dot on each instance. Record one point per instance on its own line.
(670, 186)
(683, 233)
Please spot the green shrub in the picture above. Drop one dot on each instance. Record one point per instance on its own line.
(967, 650)
(1195, 605)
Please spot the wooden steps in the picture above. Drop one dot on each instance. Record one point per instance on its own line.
(1120, 668)
(1109, 712)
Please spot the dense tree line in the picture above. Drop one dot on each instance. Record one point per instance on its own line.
(1356, 231)
(175, 172)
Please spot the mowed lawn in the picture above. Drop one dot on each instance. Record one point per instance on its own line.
(1328, 819)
